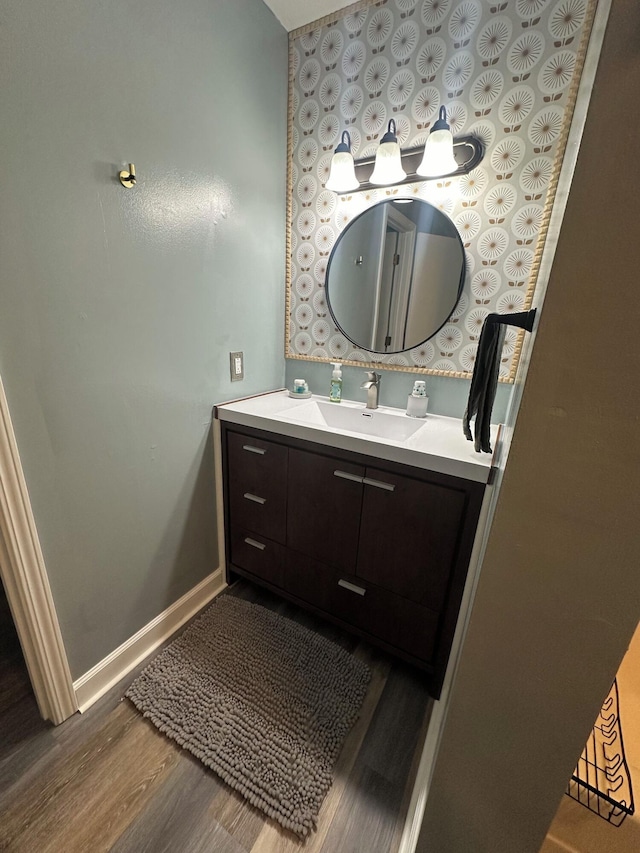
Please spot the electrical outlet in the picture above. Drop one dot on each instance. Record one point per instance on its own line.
(236, 365)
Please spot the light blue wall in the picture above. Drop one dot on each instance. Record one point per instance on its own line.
(119, 307)
(447, 396)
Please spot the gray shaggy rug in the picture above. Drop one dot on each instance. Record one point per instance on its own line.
(261, 700)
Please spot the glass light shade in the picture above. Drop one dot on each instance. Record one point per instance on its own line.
(342, 174)
(388, 166)
(438, 156)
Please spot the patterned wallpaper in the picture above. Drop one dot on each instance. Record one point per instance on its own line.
(506, 72)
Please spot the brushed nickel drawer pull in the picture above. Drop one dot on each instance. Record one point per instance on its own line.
(378, 484)
(352, 587)
(255, 498)
(345, 475)
(255, 544)
(261, 451)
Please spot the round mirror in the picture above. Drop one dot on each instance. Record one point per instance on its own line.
(395, 275)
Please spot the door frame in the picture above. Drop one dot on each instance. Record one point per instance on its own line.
(26, 583)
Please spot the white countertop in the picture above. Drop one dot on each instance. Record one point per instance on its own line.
(438, 444)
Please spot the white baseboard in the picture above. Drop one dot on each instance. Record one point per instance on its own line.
(95, 683)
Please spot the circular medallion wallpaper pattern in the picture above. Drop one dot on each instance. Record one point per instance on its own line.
(505, 71)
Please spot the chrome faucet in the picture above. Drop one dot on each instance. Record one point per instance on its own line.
(372, 384)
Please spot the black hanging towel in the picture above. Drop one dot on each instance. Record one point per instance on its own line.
(485, 374)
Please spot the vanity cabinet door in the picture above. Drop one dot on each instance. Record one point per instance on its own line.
(409, 535)
(324, 501)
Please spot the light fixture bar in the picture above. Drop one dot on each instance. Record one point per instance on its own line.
(468, 152)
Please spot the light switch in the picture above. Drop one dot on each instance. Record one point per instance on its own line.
(236, 363)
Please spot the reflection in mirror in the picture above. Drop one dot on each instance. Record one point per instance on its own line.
(395, 275)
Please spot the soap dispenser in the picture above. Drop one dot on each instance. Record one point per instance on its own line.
(418, 400)
(335, 390)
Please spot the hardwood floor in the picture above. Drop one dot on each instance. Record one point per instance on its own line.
(108, 781)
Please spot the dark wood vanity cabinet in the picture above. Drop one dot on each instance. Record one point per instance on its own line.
(381, 548)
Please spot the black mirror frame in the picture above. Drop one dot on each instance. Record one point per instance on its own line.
(463, 274)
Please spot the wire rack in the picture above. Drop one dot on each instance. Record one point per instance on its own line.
(601, 780)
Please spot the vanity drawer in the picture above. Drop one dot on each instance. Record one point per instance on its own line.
(257, 485)
(391, 618)
(398, 621)
(258, 555)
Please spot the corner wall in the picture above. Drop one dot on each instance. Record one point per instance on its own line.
(119, 307)
(559, 593)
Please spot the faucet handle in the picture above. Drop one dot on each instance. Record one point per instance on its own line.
(372, 384)
(372, 379)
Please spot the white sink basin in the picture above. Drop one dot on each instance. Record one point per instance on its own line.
(390, 425)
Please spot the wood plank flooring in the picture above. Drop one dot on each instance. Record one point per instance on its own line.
(108, 781)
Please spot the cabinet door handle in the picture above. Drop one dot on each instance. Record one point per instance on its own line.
(378, 484)
(260, 450)
(352, 587)
(345, 475)
(254, 544)
(255, 498)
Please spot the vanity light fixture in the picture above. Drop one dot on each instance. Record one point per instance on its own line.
(438, 156)
(342, 175)
(422, 163)
(388, 168)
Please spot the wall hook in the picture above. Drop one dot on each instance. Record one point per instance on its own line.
(128, 179)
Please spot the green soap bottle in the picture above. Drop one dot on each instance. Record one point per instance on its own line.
(335, 390)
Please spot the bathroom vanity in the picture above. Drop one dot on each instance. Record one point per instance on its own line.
(366, 518)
